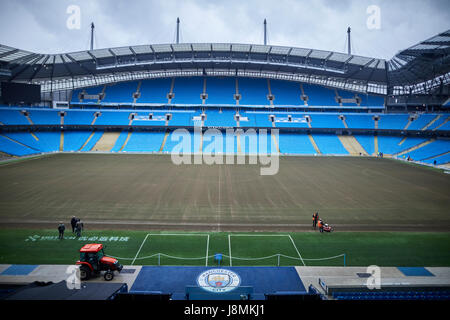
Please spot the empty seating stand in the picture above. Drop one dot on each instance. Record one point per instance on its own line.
(253, 91)
(12, 117)
(286, 93)
(154, 91)
(221, 91)
(120, 92)
(393, 295)
(319, 96)
(187, 91)
(322, 134)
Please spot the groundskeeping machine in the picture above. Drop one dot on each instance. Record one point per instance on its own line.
(93, 261)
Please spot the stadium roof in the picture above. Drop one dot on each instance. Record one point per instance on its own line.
(424, 62)
(30, 67)
(420, 63)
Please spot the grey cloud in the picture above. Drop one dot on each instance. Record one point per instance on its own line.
(40, 26)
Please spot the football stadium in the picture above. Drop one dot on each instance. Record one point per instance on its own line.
(195, 170)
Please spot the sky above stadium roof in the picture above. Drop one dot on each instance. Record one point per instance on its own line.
(379, 28)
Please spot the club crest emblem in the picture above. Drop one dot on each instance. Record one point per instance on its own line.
(218, 280)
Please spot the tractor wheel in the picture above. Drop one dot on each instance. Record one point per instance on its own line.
(85, 273)
(109, 275)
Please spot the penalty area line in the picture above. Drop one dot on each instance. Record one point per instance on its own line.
(295, 247)
(140, 248)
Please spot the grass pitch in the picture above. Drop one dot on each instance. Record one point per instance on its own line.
(117, 195)
(22, 246)
(349, 192)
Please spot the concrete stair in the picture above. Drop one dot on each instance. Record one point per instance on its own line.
(164, 141)
(375, 144)
(420, 145)
(431, 122)
(445, 121)
(274, 138)
(22, 144)
(352, 145)
(408, 124)
(106, 142)
(314, 143)
(61, 141)
(87, 140)
(126, 141)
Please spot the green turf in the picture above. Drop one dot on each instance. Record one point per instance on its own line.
(361, 249)
(118, 187)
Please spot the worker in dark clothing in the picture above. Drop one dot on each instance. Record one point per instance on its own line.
(78, 228)
(73, 223)
(315, 218)
(61, 229)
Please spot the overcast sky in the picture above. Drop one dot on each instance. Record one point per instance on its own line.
(41, 25)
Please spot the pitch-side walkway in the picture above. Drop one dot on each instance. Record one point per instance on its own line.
(142, 277)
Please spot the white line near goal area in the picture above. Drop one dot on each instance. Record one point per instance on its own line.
(175, 234)
(264, 235)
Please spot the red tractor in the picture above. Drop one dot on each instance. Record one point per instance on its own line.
(93, 261)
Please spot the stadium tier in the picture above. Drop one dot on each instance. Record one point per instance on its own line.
(141, 116)
(222, 91)
(411, 295)
(84, 131)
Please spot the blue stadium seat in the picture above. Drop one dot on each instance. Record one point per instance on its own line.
(221, 90)
(221, 118)
(121, 92)
(12, 117)
(188, 90)
(286, 93)
(253, 91)
(154, 91)
(319, 96)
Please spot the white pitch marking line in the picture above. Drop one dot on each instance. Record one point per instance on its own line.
(207, 249)
(140, 248)
(260, 235)
(267, 235)
(229, 249)
(179, 234)
(173, 234)
(296, 249)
